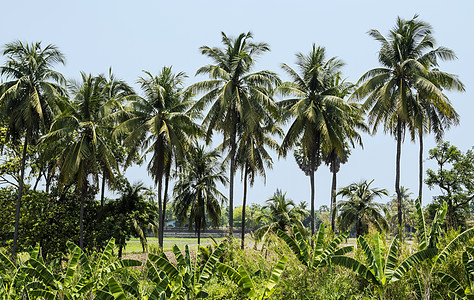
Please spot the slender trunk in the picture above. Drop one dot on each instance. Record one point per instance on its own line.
(81, 217)
(160, 214)
(333, 197)
(165, 199)
(420, 178)
(357, 227)
(38, 179)
(243, 208)
(120, 251)
(18, 202)
(102, 192)
(311, 178)
(397, 174)
(48, 178)
(231, 186)
(199, 235)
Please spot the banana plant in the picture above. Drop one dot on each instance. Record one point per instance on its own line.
(12, 278)
(253, 291)
(429, 236)
(83, 277)
(456, 289)
(188, 275)
(317, 257)
(381, 271)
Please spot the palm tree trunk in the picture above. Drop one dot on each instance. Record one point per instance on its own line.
(165, 199)
(357, 228)
(18, 202)
(397, 174)
(243, 208)
(199, 234)
(81, 217)
(231, 185)
(40, 174)
(102, 192)
(160, 214)
(48, 178)
(333, 197)
(311, 178)
(420, 179)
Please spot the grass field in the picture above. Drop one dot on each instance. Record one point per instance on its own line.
(134, 246)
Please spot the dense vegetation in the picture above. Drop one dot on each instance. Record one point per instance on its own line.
(76, 138)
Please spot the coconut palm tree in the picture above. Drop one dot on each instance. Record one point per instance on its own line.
(360, 210)
(196, 194)
(81, 132)
(237, 95)
(159, 123)
(252, 157)
(28, 99)
(433, 118)
(334, 161)
(391, 90)
(116, 91)
(320, 117)
(279, 213)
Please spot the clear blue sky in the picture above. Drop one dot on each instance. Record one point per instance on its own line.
(131, 36)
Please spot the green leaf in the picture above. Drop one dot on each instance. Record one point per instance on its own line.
(116, 290)
(331, 250)
(413, 260)
(163, 263)
(318, 246)
(211, 264)
(392, 259)
(356, 266)
(453, 285)
(275, 277)
(131, 263)
(293, 246)
(369, 255)
(460, 239)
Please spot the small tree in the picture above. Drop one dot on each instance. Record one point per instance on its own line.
(360, 210)
(196, 194)
(455, 179)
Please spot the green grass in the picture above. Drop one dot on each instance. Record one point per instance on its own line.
(134, 246)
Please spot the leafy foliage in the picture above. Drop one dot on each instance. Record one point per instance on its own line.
(319, 256)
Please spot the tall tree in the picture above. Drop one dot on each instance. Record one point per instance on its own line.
(81, 132)
(391, 90)
(196, 194)
(158, 123)
(116, 92)
(433, 117)
(320, 116)
(360, 210)
(252, 157)
(237, 95)
(354, 123)
(28, 99)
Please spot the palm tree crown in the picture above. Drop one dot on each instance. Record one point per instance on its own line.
(392, 90)
(360, 210)
(196, 192)
(159, 123)
(321, 116)
(237, 95)
(28, 98)
(81, 134)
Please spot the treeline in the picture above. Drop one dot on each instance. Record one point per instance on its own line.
(79, 136)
